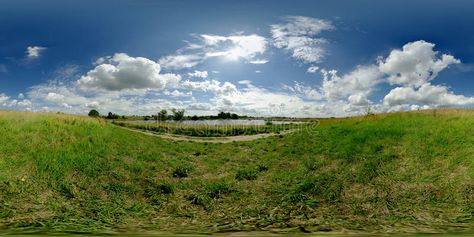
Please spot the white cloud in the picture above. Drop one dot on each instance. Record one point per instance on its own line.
(124, 72)
(7, 101)
(200, 74)
(245, 82)
(258, 71)
(180, 61)
(214, 86)
(312, 69)
(258, 61)
(297, 35)
(361, 81)
(241, 46)
(358, 100)
(415, 64)
(33, 52)
(233, 47)
(4, 99)
(426, 94)
(54, 97)
(176, 93)
(304, 91)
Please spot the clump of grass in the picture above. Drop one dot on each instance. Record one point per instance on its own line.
(217, 189)
(154, 189)
(324, 186)
(197, 199)
(247, 173)
(262, 167)
(182, 171)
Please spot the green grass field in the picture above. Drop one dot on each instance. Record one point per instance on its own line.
(401, 172)
(210, 130)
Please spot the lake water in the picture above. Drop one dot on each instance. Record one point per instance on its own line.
(227, 122)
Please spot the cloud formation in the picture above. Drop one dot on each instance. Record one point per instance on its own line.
(298, 36)
(414, 65)
(120, 71)
(199, 74)
(232, 47)
(33, 52)
(361, 81)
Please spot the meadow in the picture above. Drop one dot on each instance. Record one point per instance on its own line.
(210, 130)
(387, 173)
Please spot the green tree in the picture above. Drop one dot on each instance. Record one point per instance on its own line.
(178, 114)
(162, 115)
(112, 116)
(94, 113)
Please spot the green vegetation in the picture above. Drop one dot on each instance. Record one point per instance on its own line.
(209, 130)
(392, 172)
(224, 115)
(178, 114)
(94, 113)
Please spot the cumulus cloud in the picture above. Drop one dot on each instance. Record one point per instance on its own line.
(426, 94)
(121, 72)
(413, 68)
(414, 65)
(298, 36)
(4, 99)
(200, 74)
(8, 102)
(33, 52)
(361, 81)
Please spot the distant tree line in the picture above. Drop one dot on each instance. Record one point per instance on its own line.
(163, 115)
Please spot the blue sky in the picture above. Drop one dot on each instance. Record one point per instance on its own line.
(268, 58)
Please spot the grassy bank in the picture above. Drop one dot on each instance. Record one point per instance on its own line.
(392, 172)
(209, 130)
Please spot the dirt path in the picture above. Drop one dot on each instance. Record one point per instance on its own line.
(209, 139)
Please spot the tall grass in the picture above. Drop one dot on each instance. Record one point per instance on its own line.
(390, 172)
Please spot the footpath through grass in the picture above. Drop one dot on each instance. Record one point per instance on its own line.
(386, 173)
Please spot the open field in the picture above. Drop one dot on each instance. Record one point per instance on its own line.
(401, 172)
(209, 130)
